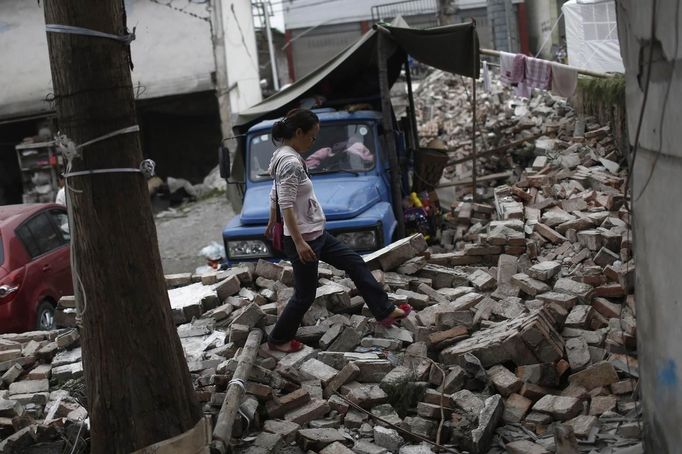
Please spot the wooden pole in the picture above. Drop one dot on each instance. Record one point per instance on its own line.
(138, 383)
(235, 392)
(410, 99)
(473, 135)
(493, 151)
(389, 134)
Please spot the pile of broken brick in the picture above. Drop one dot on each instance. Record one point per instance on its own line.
(490, 358)
(511, 133)
(522, 340)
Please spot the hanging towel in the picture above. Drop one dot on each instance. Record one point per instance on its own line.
(486, 77)
(522, 90)
(538, 73)
(519, 72)
(564, 80)
(512, 68)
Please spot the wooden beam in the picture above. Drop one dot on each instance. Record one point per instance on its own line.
(235, 392)
(474, 166)
(493, 151)
(389, 134)
(469, 181)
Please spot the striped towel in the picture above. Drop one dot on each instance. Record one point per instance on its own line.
(512, 68)
(538, 73)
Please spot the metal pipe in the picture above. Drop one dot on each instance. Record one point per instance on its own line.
(410, 99)
(271, 48)
(585, 72)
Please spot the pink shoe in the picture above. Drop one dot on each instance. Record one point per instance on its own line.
(295, 347)
(390, 321)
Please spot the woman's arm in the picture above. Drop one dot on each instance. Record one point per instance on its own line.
(273, 213)
(305, 252)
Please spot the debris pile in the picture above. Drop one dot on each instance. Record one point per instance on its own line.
(512, 134)
(521, 341)
(41, 393)
(169, 195)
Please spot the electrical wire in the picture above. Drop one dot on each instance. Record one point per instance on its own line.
(304, 6)
(628, 182)
(549, 35)
(665, 104)
(393, 426)
(241, 33)
(78, 437)
(169, 4)
(646, 92)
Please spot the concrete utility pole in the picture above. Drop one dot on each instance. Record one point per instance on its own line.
(651, 53)
(271, 47)
(222, 83)
(445, 12)
(138, 383)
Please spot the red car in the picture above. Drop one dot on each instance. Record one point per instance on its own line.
(34, 265)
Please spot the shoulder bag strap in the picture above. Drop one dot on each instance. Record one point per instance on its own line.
(278, 213)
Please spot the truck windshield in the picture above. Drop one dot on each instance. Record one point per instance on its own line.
(340, 147)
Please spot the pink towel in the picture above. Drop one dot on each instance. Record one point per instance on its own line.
(564, 80)
(538, 73)
(318, 157)
(314, 160)
(512, 68)
(361, 151)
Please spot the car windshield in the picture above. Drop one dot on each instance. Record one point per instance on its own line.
(340, 147)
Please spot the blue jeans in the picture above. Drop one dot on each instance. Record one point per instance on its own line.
(332, 251)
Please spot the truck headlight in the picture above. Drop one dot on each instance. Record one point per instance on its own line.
(247, 249)
(360, 241)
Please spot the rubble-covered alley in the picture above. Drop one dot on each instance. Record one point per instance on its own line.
(523, 339)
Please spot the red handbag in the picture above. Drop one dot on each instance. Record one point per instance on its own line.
(278, 232)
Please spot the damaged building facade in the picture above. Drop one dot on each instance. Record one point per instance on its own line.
(173, 75)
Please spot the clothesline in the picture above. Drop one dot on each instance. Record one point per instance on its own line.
(586, 72)
(526, 73)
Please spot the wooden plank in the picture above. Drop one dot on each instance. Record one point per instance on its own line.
(495, 150)
(469, 181)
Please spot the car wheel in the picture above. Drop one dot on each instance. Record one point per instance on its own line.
(45, 316)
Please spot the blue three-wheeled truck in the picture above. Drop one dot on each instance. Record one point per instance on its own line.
(363, 160)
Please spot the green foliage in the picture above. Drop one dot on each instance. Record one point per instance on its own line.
(597, 93)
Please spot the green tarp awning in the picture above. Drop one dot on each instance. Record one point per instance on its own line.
(353, 76)
(452, 48)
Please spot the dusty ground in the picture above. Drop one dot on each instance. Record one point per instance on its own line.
(184, 231)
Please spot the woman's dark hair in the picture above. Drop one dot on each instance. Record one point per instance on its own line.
(285, 128)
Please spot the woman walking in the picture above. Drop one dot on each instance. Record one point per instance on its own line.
(305, 239)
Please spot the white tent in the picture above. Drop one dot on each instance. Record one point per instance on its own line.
(592, 35)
